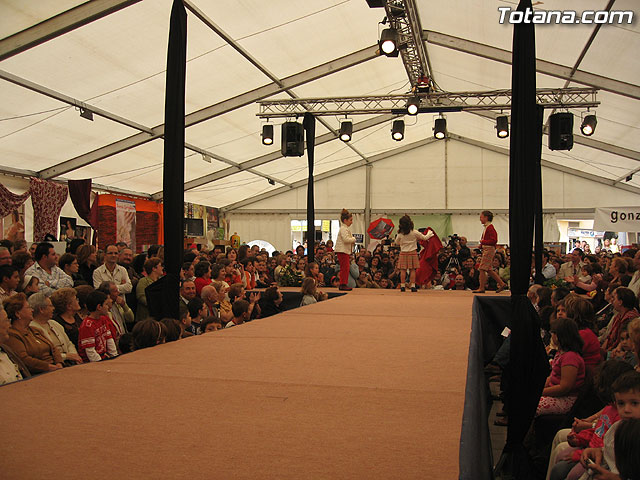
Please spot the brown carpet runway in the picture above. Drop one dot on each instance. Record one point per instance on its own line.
(367, 385)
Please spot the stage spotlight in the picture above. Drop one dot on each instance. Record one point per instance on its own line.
(440, 128)
(389, 42)
(629, 178)
(588, 125)
(413, 104)
(88, 114)
(397, 130)
(502, 126)
(346, 129)
(271, 181)
(267, 134)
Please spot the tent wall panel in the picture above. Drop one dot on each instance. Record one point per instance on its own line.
(274, 228)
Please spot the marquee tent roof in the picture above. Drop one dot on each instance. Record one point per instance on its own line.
(110, 56)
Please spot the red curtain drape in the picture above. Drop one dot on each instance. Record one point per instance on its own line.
(9, 201)
(47, 199)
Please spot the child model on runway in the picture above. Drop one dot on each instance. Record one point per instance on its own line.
(344, 247)
(407, 239)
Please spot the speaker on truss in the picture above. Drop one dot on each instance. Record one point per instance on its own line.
(561, 131)
(292, 139)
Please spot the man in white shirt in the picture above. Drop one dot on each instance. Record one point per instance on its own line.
(548, 270)
(110, 271)
(634, 284)
(573, 266)
(50, 276)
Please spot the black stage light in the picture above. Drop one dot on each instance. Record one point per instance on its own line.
(588, 125)
(502, 126)
(413, 104)
(85, 113)
(389, 42)
(346, 129)
(267, 134)
(397, 130)
(440, 128)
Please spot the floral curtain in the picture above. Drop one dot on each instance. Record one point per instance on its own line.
(9, 201)
(47, 199)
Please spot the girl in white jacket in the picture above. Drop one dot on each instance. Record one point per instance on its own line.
(344, 247)
(407, 239)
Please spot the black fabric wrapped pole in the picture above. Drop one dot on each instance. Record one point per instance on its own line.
(539, 237)
(173, 173)
(527, 369)
(310, 132)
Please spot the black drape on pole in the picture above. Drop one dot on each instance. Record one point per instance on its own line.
(528, 367)
(173, 173)
(310, 132)
(539, 241)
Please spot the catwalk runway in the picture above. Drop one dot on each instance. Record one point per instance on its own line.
(366, 385)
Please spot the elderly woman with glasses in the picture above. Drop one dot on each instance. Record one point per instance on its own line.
(33, 348)
(42, 321)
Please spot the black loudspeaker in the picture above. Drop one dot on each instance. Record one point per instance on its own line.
(561, 131)
(292, 139)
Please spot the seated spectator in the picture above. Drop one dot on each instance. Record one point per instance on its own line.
(588, 432)
(67, 312)
(69, 265)
(187, 291)
(249, 270)
(210, 324)
(625, 349)
(624, 304)
(618, 271)
(459, 283)
(185, 322)
(148, 333)
(198, 311)
(46, 269)
(42, 321)
(110, 271)
(5, 256)
(313, 270)
(154, 270)
(22, 261)
(9, 281)
(548, 270)
(95, 338)
(210, 298)
(33, 348)
(581, 311)
(87, 261)
(567, 370)
(120, 314)
(12, 368)
(634, 334)
(240, 311)
(203, 276)
(223, 305)
(308, 291)
(627, 393)
(271, 301)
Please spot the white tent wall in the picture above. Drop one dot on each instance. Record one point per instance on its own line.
(20, 185)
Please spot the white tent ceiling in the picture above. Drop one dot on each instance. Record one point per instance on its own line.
(117, 64)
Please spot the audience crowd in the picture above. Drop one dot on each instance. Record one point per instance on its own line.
(89, 305)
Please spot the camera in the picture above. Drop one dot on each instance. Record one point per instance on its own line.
(454, 240)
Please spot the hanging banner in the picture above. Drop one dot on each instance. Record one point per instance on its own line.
(617, 219)
(126, 222)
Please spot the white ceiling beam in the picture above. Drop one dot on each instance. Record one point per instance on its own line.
(270, 157)
(542, 66)
(548, 164)
(209, 112)
(330, 173)
(255, 62)
(105, 114)
(59, 25)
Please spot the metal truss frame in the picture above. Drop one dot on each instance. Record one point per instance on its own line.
(497, 100)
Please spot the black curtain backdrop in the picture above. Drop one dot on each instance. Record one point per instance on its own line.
(309, 124)
(539, 279)
(173, 173)
(528, 367)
